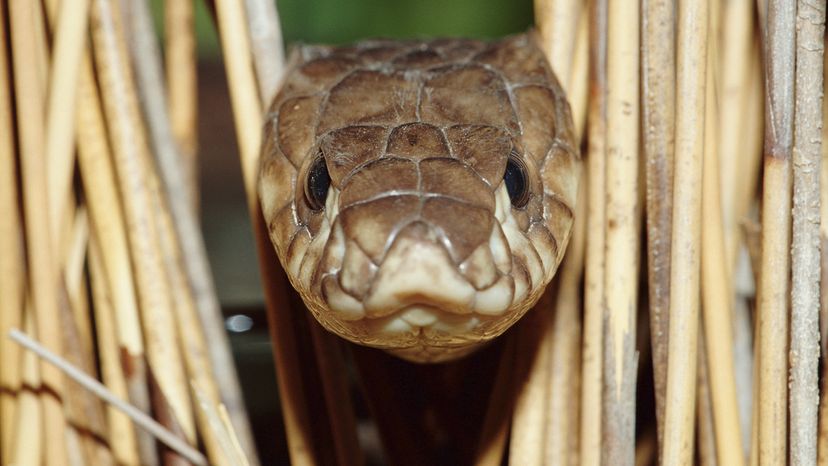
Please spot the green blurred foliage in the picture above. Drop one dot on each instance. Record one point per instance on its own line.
(344, 21)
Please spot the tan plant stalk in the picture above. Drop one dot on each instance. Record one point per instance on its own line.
(496, 422)
(267, 47)
(579, 87)
(131, 152)
(592, 350)
(121, 434)
(247, 114)
(107, 222)
(70, 41)
(563, 386)
(717, 292)
(42, 264)
(12, 272)
(822, 443)
(807, 151)
(557, 25)
(622, 233)
(774, 284)
(658, 74)
(182, 87)
(169, 157)
(28, 449)
(706, 438)
(682, 360)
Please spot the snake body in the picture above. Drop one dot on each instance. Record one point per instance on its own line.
(420, 194)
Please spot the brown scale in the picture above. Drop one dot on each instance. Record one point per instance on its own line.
(416, 137)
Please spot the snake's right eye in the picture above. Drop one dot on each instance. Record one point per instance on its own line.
(516, 180)
(317, 184)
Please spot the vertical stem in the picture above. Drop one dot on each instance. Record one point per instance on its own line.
(622, 232)
(557, 22)
(776, 233)
(267, 46)
(12, 272)
(43, 274)
(658, 74)
(592, 352)
(682, 360)
(804, 355)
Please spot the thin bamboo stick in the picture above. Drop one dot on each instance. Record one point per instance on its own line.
(622, 233)
(12, 272)
(658, 72)
(592, 352)
(146, 422)
(193, 341)
(774, 282)
(526, 444)
(804, 355)
(74, 263)
(267, 47)
(557, 24)
(717, 293)
(682, 360)
(106, 215)
(130, 155)
(562, 428)
(182, 84)
(706, 439)
(121, 434)
(28, 447)
(70, 39)
(822, 445)
(43, 274)
(247, 115)
(194, 254)
(578, 89)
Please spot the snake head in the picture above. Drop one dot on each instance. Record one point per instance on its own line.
(420, 194)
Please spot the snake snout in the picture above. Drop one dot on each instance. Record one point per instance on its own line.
(417, 270)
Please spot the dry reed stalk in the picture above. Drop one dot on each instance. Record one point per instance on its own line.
(526, 444)
(562, 428)
(177, 184)
(182, 87)
(70, 30)
(658, 72)
(130, 155)
(717, 293)
(220, 427)
(193, 341)
(685, 264)
(774, 282)
(12, 270)
(706, 438)
(494, 433)
(99, 390)
(578, 88)
(736, 43)
(557, 25)
(106, 216)
(592, 350)
(28, 449)
(622, 233)
(267, 47)
(247, 112)
(822, 443)
(43, 273)
(121, 432)
(807, 151)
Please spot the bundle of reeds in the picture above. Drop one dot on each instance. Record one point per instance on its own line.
(716, 362)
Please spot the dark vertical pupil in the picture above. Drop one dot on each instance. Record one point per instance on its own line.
(318, 182)
(516, 182)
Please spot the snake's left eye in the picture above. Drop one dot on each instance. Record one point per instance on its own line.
(317, 184)
(517, 181)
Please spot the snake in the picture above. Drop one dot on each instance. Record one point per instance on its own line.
(419, 193)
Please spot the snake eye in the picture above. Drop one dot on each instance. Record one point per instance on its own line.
(317, 184)
(516, 180)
